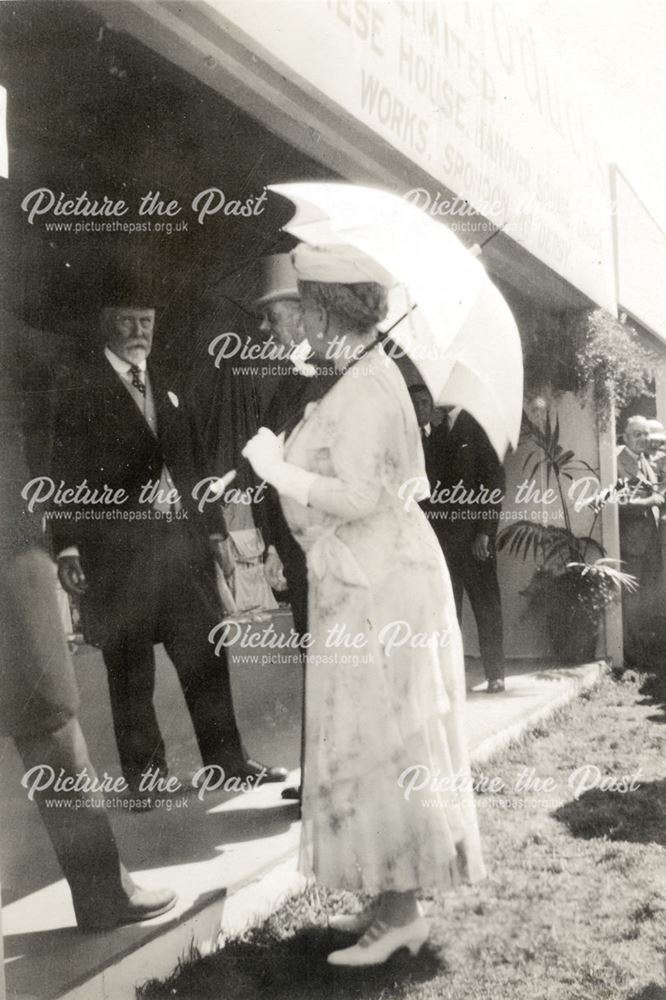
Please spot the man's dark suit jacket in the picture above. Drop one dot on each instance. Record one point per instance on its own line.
(293, 393)
(639, 528)
(101, 437)
(465, 454)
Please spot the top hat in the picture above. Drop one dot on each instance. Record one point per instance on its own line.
(124, 287)
(277, 279)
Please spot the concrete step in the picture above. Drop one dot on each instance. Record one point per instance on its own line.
(241, 863)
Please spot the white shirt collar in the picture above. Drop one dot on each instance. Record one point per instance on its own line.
(119, 365)
(298, 358)
(453, 415)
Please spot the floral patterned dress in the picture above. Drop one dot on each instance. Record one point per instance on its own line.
(387, 801)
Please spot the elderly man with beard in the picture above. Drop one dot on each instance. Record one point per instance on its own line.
(145, 572)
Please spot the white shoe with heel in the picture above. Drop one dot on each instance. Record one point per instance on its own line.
(380, 941)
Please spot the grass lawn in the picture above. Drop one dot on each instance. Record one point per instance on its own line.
(574, 907)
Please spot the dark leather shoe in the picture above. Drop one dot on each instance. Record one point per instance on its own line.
(292, 793)
(496, 686)
(252, 769)
(138, 805)
(138, 799)
(143, 904)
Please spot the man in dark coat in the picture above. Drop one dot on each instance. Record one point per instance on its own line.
(278, 302)
(467, 489)
(640, 547)
(38, 693)
(137, 548)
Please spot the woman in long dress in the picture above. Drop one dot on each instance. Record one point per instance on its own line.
(387, 799)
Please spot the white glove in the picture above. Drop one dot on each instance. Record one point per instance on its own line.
(265, 453)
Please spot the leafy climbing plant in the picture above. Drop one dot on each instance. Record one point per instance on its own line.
(611, 358)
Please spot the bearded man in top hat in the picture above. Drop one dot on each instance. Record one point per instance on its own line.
(141, 559)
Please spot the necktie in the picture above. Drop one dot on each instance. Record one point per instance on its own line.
(137, 381)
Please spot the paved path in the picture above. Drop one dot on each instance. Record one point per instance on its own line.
(212, 851)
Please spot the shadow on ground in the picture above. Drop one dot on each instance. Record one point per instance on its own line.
(637, 816)
(654, 693)
(651, 992)
(291, 968)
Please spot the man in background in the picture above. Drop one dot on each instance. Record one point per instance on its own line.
(640, 548)
(461, 462)
(656, 449)
(144, 569)
(278, 303)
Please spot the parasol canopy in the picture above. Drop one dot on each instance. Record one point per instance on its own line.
(444, 311)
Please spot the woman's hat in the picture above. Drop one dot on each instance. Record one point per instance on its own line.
(339, 263)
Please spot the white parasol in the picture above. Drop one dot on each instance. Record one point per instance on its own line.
(445, 313)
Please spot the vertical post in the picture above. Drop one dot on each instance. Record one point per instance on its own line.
(610, 529)
(3, 989)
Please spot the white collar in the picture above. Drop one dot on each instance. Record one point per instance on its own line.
(121, 366)
(298, 357)
(453, 415)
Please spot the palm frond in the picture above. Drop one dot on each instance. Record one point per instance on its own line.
(524, 537)
(607, 569)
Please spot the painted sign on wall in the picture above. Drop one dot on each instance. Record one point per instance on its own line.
(469, 93)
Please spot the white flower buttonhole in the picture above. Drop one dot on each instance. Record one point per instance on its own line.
(173, 398)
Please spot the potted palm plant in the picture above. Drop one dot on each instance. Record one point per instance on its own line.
(574, 581)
